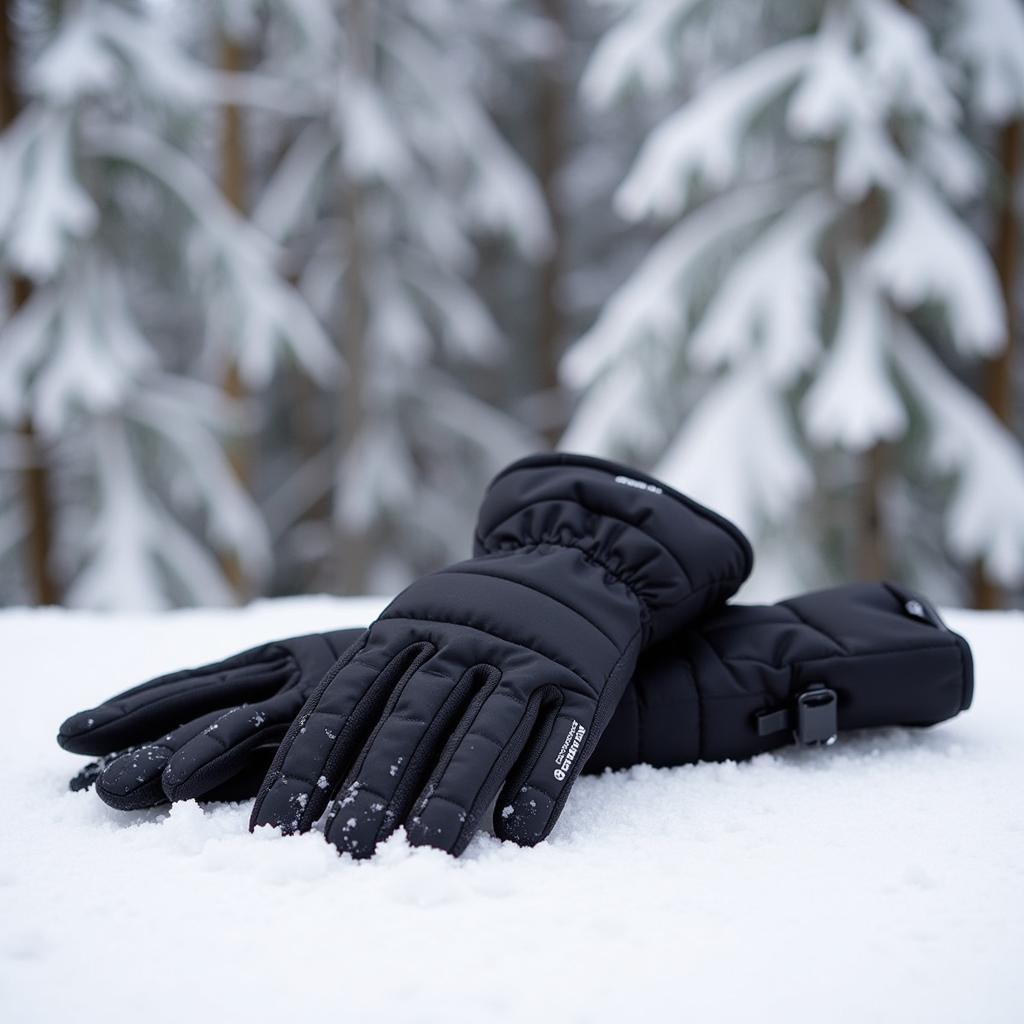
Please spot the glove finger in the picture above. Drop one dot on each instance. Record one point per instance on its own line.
(473, 767)
(245, 783)
(331, 728)
(400, 753)
(145, 712)
(92, 771)
(221, 751)
(132, 780)
(539, 785)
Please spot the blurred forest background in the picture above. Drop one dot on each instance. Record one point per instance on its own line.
(286, 281)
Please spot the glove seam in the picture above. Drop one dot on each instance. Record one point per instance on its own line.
(800, 617)
(644, 608)
(412, 617)
(535, 590)
(441, 770)
(127, 716)
(588, 556)
(839, 657)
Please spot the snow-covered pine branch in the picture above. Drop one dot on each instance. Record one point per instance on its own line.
(796, 340)
(80, 358)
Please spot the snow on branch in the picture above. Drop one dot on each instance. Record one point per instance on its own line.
(925, 253)
(703, 139)
(103, 47)
(985, 519)
(989, 41)
(770, 297)
(501, 195)
(235, 523)
(903, 65)
(853, 401)
(72, 348)
(637, 48)
(372, 143)
(612, 418)
(653, 301)
(753, 471)
(136, 546)
(43, 208)
(250, 303)
(288, 198)
(837, 99)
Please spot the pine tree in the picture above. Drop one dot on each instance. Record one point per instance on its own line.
(987, 40)
(122, 234)
(818, 263)
(395, 173)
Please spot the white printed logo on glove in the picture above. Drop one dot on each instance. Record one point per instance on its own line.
(570, 748)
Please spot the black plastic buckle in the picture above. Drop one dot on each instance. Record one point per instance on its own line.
(813, 719)
(817, 722)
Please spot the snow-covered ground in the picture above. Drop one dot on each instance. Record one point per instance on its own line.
(882, 879)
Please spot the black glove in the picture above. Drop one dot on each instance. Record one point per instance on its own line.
(748, 679)
(500, 673)
(209, 732)
(712, 692)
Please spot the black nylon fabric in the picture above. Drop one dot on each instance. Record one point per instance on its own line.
(206, 732)
(499, 674)
(887, 655)
(693, 697)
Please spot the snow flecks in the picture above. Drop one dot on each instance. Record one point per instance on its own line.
(350, 795)
(321, 782)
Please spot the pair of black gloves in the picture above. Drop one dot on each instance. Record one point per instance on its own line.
(589, 630)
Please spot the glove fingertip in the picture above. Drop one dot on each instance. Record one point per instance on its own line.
(526, 819)
(132, 781)
(76, 733)
(443, 826)
(281, 805)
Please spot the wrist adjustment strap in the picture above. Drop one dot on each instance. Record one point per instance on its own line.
(813, 718)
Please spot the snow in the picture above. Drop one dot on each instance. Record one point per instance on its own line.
(703, 139)
(990, 42)
(878, 879)
(748, 483)
(854, 402)
(925, 253)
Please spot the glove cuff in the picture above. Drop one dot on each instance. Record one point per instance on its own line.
(679, 558)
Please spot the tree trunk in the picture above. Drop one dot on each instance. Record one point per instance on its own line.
(354, 544)
(35, 478)
(873, 557)
(999, 372)
(233, 186)
(872, 554)
(551, 156)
